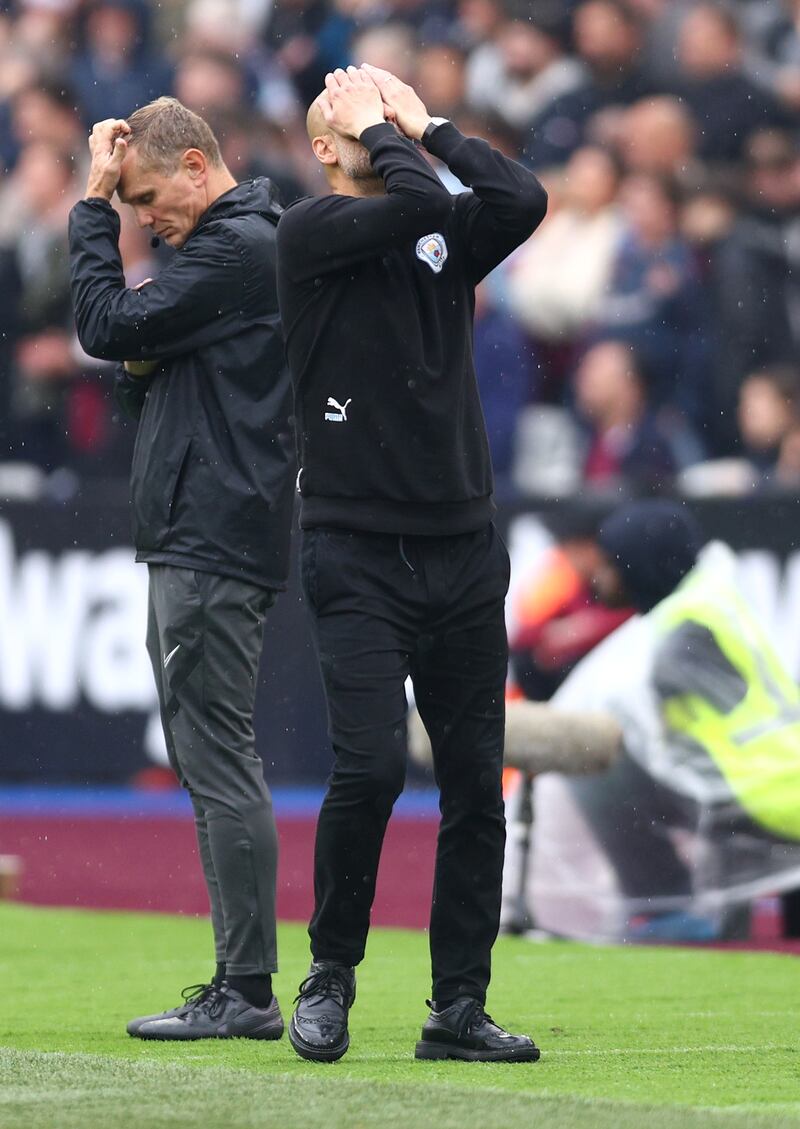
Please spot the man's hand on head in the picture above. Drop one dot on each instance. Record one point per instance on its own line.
(401, 102)
(108, 144)
(351, 102)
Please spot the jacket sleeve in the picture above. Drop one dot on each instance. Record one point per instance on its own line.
(506, 205)
(196, 301)
(330, 233)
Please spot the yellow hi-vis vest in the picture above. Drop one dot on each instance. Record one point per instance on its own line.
(756, 745)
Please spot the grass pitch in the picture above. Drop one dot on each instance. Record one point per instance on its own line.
(631, 1038)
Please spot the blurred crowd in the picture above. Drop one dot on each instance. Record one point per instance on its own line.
(644, 339)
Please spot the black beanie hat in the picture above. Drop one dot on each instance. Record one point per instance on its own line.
(654, 544)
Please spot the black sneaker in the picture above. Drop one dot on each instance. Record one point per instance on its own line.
(318, 1028)
(465, 1031)
(192, 996)
(219, 1013)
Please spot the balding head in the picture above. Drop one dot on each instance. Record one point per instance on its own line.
(346, 161)
(315, 122)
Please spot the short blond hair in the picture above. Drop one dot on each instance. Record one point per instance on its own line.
(163, 130)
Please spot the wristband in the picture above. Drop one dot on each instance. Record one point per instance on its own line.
(433, 124)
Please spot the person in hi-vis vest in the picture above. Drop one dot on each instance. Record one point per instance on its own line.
(701, 812)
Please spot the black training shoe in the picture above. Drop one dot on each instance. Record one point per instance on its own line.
(465, 1031)
(192, 996)
(219, 1013)
(318, 1028)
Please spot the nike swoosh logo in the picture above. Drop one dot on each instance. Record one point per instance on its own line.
(170, 655)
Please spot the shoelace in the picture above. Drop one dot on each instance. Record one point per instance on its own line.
(333, 981)
(481, 1015)
(195, 994)
(213, 1003)
(473, 1015)
(205, 997)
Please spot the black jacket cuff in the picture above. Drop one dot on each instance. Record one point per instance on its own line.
(442, 140)
(95, 201)
(375, 133)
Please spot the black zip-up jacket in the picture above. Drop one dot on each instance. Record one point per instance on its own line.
(213, 471)
(377, 302)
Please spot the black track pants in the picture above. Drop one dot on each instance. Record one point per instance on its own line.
(384, 607)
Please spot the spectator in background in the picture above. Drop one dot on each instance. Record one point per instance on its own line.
(477, 21)
(234, 28)
(525, 67)
(654, 300)
(558, 279)
(625, 445)
(558, 617)
(657, 135)
(43, 365)
(441, 77)
(753, 277)
(42, 34)
(293, 35)
(787, 469)
(392, 47)
(608, 39)
(210, 80)
(782, 47)
(119, 65)
(769, 412)
(17, 71)
(253, 147)
(726, 104)
(42, 112)
(45, 110)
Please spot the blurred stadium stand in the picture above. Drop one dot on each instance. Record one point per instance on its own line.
(666, 132)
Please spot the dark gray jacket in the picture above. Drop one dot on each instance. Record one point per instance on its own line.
(213, 466)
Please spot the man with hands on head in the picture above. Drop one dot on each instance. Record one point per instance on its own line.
(212, 485)
(403, 570)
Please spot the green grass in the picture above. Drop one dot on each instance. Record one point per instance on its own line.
(655, 1038)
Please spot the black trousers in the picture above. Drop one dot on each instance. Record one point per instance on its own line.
(204, 636)
(383, 608)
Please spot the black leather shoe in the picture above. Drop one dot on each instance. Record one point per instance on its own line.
(219, 1013)
(192, 996)
(318, 1028)
(465, 1031)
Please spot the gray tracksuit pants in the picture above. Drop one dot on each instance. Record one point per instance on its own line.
(204, 636)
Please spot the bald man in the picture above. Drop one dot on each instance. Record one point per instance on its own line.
(403, 570)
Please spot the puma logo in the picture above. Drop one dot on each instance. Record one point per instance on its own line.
(340, 414)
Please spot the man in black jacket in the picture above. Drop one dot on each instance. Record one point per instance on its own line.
(212, 491)
(402, 567)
